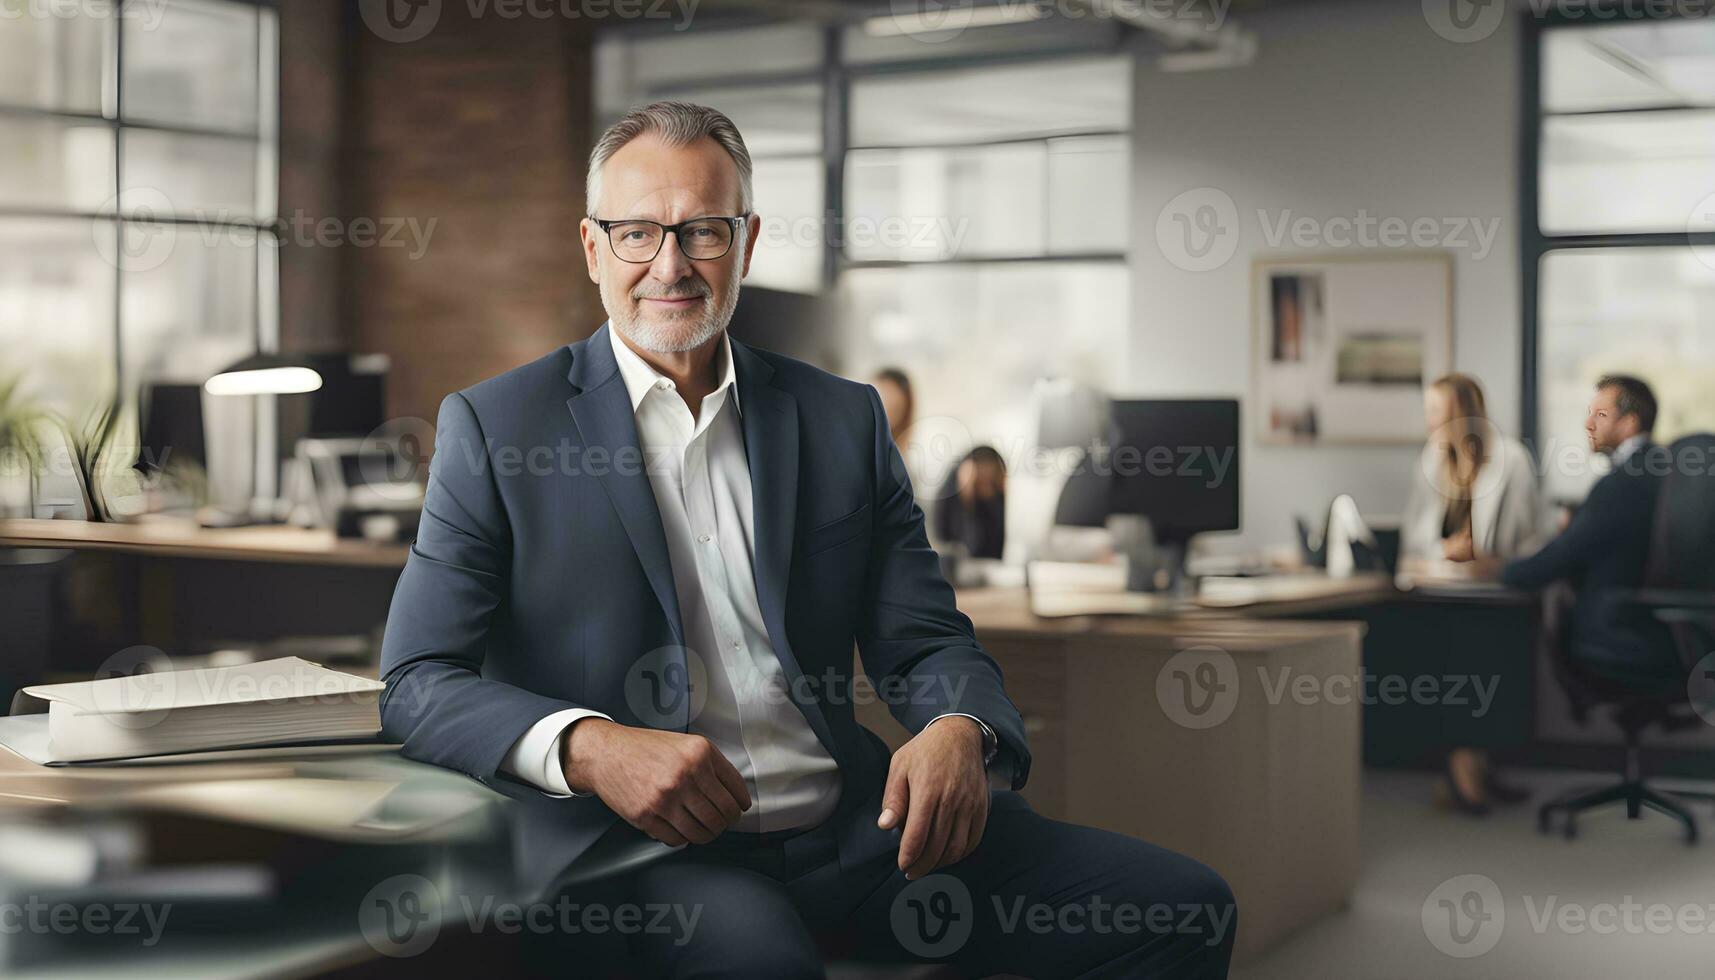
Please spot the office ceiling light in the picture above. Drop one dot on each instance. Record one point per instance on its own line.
(951, 18)
(264, 374)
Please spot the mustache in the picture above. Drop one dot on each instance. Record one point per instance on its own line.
(683, 289)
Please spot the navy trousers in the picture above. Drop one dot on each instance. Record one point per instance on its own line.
(1038, 898)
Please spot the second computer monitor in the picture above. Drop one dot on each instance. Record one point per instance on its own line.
(1176, 462)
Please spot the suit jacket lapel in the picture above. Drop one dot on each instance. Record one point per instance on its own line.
(770, 426)
(602, 411)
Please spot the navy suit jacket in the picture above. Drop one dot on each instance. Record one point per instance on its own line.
(1603, 553)
(540, 580)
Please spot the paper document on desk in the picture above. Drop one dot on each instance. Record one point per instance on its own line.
(272, 702)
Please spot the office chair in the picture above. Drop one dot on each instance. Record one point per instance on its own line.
(1679, 594)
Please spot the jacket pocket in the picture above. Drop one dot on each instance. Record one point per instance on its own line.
(837, 532)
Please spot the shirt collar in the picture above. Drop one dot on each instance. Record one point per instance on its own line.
(1628, 447)
(641, 377)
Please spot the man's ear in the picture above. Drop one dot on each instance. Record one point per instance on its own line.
(752, 229)
(591, 234)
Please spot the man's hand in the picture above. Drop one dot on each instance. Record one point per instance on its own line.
(937, 786)
(674, 787)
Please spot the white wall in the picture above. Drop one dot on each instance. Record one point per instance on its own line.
(1348, 105)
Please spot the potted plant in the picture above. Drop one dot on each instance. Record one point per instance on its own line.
(20, 448)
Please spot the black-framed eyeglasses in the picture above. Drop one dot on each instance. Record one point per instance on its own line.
(705, 238)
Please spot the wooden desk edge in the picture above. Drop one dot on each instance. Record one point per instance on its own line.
(314, 548)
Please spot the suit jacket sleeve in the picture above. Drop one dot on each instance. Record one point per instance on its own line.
(436, 701)
(1590, 533)
(916, 645)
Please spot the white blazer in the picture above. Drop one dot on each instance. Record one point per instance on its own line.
(1506, 513)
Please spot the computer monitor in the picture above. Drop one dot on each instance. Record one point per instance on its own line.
(1175, 462)
(352, 400)
(171, 431)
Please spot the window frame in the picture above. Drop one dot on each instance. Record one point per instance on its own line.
(836, 74)
(264, 137)
(1535, 245)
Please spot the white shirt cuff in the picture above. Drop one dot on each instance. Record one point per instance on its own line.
(535, 757)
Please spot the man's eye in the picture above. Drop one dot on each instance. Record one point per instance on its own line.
(634, 235)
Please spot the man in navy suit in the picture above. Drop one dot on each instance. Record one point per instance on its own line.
(643, 563)
(1604, 548)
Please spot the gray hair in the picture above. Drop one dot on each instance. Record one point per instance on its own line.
(677, 124)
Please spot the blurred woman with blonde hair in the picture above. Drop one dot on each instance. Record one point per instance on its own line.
(1473, 497)
(1474, 494)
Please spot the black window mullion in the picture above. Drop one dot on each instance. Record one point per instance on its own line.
(118, 208)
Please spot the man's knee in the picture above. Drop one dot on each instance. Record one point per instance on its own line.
(733, 924)
(1211, 912)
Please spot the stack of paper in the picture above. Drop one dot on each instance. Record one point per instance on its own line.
(272, 702)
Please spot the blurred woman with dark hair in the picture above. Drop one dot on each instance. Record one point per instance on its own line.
(897, 400)
(971, 508)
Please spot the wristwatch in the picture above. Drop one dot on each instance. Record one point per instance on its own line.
(991, 743)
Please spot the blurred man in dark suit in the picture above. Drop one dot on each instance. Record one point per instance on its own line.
(1604, 548)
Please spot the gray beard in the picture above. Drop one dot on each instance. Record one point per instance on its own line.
(659, 338)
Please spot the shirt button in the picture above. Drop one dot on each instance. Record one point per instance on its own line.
(706, 538)
(663, 385)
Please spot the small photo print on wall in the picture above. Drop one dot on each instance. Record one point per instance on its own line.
(1343, 345)
(1296, 307)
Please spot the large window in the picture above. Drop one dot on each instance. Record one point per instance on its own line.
(1007, 184)
(1619, 225)
(137, 197)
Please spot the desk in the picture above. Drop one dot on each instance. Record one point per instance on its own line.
(1446, 663)
(185, 589)
(267, 859)
(183, 539)
(1448, 641)
(1243, 782)
(1265, 596)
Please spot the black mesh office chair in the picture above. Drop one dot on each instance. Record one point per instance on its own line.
(1679, 593)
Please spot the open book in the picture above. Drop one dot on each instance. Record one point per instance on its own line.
(272, 702)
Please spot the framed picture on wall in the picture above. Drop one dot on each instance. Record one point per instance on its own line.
(1342, 345)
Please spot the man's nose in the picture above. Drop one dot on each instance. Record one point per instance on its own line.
(670, 263)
